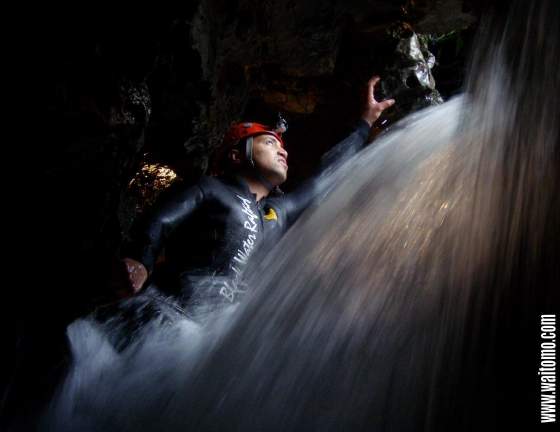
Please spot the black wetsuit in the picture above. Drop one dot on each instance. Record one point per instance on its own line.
(213, 227)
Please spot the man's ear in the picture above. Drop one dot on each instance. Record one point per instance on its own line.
(235, 156)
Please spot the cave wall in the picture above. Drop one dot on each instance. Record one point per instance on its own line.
(116, 90)
(121, 90)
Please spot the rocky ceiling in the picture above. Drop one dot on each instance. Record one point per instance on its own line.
(117, 90)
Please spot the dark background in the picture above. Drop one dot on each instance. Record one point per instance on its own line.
(114, 90)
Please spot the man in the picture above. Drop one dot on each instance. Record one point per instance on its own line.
(210, 230)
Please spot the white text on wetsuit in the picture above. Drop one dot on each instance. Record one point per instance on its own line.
(251, 225)
(243, 253)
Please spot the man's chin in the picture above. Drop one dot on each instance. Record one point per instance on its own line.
(279, 180)
(277, 176)
(283, 177)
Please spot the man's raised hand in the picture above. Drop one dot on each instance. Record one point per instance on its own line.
(373, 108)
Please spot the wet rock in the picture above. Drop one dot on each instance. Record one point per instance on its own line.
(408, 75)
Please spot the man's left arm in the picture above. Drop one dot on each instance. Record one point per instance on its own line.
(317, 186)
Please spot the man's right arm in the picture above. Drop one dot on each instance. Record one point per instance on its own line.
(151, 233)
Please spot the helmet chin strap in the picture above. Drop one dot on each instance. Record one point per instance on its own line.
(249, 158)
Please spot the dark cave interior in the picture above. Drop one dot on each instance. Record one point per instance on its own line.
(120, 93)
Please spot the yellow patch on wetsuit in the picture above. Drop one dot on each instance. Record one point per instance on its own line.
(271, 214)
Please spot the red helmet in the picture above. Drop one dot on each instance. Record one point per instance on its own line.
(240, 131)
(244, 132)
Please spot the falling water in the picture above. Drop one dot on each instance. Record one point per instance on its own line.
(407, 300)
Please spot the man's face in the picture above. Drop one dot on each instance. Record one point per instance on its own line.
(271, 159)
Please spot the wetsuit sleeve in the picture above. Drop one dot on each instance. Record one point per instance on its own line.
(152, 231)
(318, 185)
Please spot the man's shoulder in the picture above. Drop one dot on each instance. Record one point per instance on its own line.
(203, 182)
(211, 183)
(218, 187)
(207, 180)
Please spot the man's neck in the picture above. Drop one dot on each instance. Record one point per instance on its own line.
(256, 187)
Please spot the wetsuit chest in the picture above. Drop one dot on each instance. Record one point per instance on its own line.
(226, 230)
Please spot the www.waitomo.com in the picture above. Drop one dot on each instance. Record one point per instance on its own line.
(547, 368)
